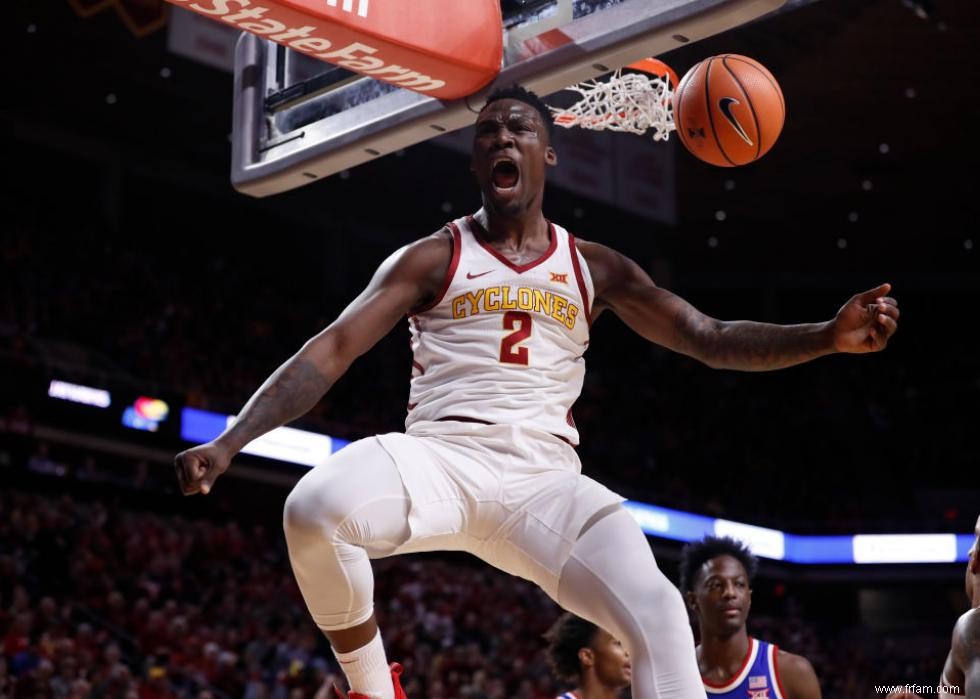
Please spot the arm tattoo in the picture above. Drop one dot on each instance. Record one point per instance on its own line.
(749, 346)
(286, 395)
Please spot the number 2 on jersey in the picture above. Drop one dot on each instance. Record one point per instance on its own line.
(520, 323)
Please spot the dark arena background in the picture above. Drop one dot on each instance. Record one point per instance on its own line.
(132, 272)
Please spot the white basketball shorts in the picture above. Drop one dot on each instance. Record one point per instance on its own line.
(514, 497)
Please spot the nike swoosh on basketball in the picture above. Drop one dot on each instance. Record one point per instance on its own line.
(725, 105)
(470, 275)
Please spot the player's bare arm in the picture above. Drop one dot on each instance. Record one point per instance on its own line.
(407, 279)
(863, 324)
(963, 665)
(798, 677)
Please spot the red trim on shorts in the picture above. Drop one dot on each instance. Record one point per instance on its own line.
(730, 683)
(419, 367)
(775, 671)
(450, 273)
(480, 233)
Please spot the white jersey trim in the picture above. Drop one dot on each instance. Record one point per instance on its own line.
(742, 673)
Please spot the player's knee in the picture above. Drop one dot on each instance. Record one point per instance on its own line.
(309, 512)
(659, 603)
(664, 610)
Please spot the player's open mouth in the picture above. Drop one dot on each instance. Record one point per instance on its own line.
(505, 174)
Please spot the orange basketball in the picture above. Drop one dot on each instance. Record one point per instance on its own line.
(728, 110)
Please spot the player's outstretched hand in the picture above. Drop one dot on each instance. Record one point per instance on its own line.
(199, 468)
(866, 322)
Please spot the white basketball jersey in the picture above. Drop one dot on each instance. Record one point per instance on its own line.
(503, 343)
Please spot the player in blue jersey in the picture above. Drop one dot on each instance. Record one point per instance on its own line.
(716, 580)
(593, 660)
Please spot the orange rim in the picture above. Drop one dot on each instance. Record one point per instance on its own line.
(655, 66)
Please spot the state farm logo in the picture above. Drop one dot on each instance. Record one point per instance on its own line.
(274, 23)
(348, 6)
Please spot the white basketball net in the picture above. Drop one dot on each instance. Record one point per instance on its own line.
(631, 102)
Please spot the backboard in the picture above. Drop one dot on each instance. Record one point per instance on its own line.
(298, 120)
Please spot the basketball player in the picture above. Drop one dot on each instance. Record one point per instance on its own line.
(961, 673)
(716, 579)
(499, 309)
(591, 658)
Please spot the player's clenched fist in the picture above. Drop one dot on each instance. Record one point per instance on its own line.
(199, 468)
(866, 322)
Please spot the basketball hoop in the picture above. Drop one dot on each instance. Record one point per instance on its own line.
(634, 102)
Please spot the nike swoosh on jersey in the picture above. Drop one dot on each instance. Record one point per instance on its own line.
(470, 275)
(725, 105)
